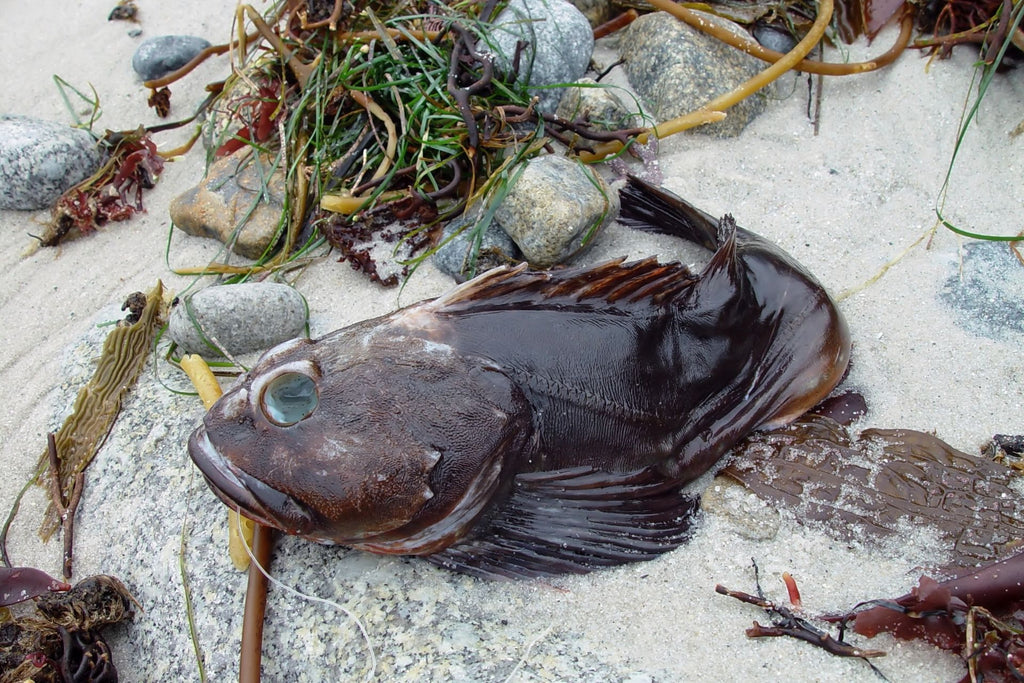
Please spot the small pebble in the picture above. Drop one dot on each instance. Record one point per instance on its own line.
(773, 37)
(39, 160)
(599, 105)
(252, 316)
(161, 55)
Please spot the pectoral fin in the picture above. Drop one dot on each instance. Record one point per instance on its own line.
(573, 521)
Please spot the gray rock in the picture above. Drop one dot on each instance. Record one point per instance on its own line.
(555, 208)
(773, 37)
(985, 290)
(39, 160)
(455, 257)
(599, 105)
(228, 205)
(252, 316)
(161, 55)
(559, 43)
(677, 69)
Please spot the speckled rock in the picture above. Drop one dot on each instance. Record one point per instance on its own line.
(984, 291)
(455, 257)
(559, 38)
(555, 208)
(252, 316)
(227, 205)
(599, 105)
(159, 56)
(39, 160)
(677, 69)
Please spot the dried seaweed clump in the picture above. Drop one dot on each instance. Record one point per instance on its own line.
(57, 639)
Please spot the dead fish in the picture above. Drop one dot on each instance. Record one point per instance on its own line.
(531, 423)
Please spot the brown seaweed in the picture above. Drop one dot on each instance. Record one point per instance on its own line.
(79, 438)
(870, 486)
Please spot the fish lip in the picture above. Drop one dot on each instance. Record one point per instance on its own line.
(244, 493)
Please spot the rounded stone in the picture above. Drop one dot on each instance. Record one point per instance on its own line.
(559, 42)
(555, 208)
(161, 55)
(252, 316)
(39, 160)
(677, 69)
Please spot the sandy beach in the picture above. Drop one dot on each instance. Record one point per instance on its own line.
(845, 203)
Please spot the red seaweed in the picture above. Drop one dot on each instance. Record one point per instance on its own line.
(977, 615)
(114, 193)
(18, 584)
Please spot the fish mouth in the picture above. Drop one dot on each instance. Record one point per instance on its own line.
(246, 494)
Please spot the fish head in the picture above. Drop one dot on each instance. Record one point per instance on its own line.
(391, 443)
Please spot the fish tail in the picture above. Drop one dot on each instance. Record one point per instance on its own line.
(650, 208)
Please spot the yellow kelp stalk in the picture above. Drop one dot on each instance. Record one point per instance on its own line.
(209, 391)
(83, 432)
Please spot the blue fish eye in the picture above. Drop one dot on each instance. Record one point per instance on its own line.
(289, 398)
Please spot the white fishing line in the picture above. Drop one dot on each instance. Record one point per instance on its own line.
(312, 598)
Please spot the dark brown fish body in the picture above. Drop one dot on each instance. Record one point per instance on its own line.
(530, 423)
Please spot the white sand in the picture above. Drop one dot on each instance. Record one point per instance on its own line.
(844, 203)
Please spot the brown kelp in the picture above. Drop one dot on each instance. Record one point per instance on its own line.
(871, 486)
(62, 465)
(868, 487)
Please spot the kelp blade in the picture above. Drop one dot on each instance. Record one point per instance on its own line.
(124, 354)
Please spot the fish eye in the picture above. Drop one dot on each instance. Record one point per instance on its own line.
(289, 398)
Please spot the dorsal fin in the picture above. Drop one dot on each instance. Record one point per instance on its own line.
(610, 282)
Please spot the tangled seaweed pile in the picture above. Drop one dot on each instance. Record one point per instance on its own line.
(389, 119)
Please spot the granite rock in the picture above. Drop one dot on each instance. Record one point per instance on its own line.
(455, 255)
(39, 160)
(252, 316)
(554, 209)
(229, 205)
(677, 69)
(559, 42)
(159, 56)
